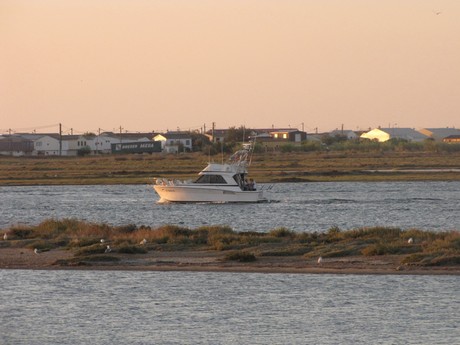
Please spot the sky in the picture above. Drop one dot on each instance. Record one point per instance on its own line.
(157, 65)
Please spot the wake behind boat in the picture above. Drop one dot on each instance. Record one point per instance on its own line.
(219, 183)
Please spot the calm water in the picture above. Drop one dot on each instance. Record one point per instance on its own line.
(297, 206)
(117, 307)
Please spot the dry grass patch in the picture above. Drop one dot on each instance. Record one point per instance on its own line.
(84, 238)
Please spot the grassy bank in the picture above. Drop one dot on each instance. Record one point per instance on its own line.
(266, 167)
(82, 239)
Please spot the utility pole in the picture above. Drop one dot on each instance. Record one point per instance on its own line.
(121, 138)
(60, 139)
(303, 127)
(212, 133)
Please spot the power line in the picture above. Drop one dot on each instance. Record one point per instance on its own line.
(15, 130)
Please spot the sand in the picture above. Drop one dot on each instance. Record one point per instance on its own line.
(212, 261)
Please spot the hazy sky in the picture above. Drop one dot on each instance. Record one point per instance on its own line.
(162, 64)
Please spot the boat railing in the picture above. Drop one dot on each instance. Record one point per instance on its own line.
(168, 182)
(241, 157)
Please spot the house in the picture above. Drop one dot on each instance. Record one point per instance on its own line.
(385, 134)
(438, 134)
(350, 135)
(72, 145)
(293, 135)
(53, 144)
(174, 142)
(14, 145)
(216, 135)
(281, 135)
(452, 139)
(46, 145)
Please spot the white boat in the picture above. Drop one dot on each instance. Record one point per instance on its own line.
(217, 183)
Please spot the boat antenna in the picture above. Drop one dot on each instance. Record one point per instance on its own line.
(222, 151)
(253, 144)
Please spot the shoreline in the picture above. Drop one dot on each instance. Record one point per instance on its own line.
(207, 261)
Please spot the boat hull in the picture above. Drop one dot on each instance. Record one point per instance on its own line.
(185, 193)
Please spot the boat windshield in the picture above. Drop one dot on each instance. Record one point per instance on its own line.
(214, 179)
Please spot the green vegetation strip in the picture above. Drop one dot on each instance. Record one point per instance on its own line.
(91, 242)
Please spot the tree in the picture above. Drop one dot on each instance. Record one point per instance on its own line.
(234, 135)
(83, 151)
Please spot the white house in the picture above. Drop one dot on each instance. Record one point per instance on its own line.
(385, 134)
(173, 142)
(350, 135)
(72, 144)
(46, 145)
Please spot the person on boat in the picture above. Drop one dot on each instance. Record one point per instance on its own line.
(251, 184)
(245, 184)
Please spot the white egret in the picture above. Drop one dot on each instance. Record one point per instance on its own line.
(320, 260)
(108, 249)
(410, 240)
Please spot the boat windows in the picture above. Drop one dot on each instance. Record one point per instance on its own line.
(214, 179)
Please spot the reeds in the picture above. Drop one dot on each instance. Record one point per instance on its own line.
(339, 165)
(90, 239)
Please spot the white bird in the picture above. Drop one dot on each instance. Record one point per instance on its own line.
(108, 249)
(144, 241)
(410, 240)
(320, 260)
(36, 251)
(5, 236)
(102, 240)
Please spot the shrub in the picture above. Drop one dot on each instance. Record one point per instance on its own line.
(431, 259)
(377, 249)
(83, 242)
(382, 233)
(94, 249)
(281, 232)
(131, 249)
(126, 229)
(446, 260)
(21, 233)
(40, 245)
(240, 256)
(334, 234)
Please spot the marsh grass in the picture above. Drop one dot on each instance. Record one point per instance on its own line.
(345, 165)
(84, 239)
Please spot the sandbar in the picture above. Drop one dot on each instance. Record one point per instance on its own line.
(213, 261)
